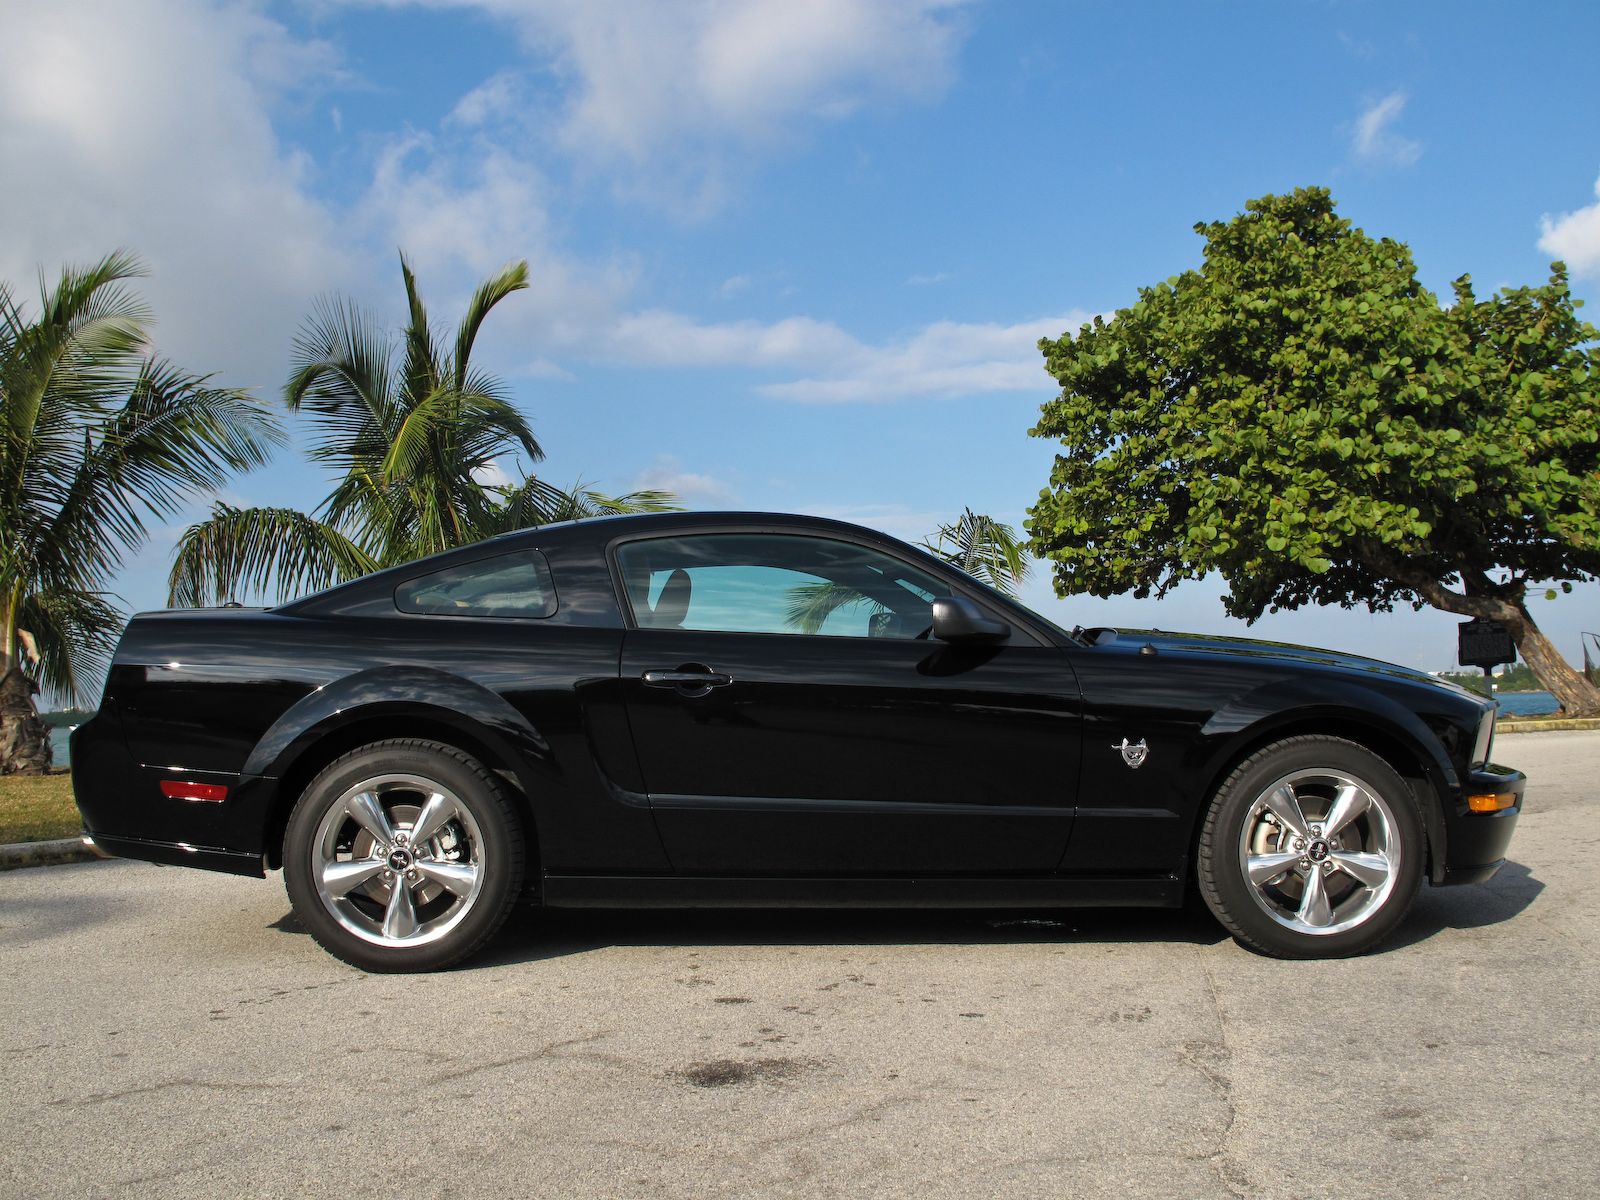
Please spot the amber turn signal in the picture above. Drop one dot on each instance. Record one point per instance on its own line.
(1491, 801)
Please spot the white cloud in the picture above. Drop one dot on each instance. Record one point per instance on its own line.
(929, 280)
(145, 124)
(496, 98)
(148, 123)
(1375, 140)
(658, 337)
(492, 474)
(1575, 237)
(946, 358)
(464, 210)
(690, 487)
(644, 74)
(662, 91)
(475, 210)
(543, 368)
(896, 520)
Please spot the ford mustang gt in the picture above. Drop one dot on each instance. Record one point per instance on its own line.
(719, 709)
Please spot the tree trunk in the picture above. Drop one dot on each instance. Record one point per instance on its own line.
(1577, 696)
(24, 738)
(1573, 690)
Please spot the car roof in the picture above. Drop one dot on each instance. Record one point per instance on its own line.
(597, 531)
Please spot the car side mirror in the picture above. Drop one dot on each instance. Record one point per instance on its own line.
(957, 619)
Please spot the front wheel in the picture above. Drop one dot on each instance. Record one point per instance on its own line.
(403, 855)
(1312, 848)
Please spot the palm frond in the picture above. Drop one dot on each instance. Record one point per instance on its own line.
(537, 502)
(645, 500)
(341, 378)
(261, 551)
(75, 633)
(513, 277)
(61, 369)
(174, 437)
(811, 604)
(988, 550)
(419, 369)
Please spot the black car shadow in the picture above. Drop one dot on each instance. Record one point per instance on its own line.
(1472, 906)
(536, 935)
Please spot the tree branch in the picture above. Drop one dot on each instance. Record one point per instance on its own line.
(1430, 589)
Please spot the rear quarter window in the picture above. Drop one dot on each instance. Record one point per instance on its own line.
(506, 586)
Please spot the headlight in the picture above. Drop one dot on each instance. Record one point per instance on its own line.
(1482, 748)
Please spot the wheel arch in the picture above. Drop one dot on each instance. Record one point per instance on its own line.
(1371, 721)
(382, 704)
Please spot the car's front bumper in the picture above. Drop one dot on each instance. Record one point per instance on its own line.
(1477, 841)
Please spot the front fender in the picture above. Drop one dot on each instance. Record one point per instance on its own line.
(1295, 706)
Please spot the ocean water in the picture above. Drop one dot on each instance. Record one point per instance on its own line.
(58, 745)
(1526, 704)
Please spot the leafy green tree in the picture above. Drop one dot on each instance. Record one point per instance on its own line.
(988, 550)
(97, 436)
(410, 431)
(1301, 416)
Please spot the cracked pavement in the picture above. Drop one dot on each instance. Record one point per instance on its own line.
(174, 1033)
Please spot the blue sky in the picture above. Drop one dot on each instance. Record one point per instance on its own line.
(786, 256)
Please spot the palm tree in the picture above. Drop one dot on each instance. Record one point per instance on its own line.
(986, 549)
(411, 431)
(96, 436)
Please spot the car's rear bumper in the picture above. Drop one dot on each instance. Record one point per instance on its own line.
(127, 813)
(1477, 841)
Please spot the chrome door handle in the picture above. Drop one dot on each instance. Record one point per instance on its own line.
(686, 679)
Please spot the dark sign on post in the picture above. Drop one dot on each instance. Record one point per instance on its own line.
(1484, 644)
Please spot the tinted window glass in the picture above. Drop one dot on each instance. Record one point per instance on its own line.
(775, 583)
(510, 585)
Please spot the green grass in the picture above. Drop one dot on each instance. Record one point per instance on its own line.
(37, 808)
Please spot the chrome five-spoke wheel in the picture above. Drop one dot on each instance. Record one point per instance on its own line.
(403, 855)
(1319, 850)
(1312, 847)
(399, 860)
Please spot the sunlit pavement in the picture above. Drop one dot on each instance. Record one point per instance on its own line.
(173, 1033)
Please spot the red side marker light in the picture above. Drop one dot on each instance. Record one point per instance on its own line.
(182, 789)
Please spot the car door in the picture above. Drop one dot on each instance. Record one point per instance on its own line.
(792, 716)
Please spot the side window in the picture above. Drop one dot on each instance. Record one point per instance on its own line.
(509, 585)
(775, 583)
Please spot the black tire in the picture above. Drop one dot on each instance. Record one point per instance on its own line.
(1367, 872)
(479, 848)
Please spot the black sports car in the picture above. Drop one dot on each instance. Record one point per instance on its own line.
(749, 709)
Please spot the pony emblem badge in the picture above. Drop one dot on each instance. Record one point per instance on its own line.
(1133, 753)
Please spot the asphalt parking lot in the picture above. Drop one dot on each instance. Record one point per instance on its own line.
(173, 1033)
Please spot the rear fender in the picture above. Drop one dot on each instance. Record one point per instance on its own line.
(453, 705)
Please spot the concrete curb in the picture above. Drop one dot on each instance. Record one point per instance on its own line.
(46, 854)
(1547, 726)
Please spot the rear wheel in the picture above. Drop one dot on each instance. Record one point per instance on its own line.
(403, 855)
(1312, 848)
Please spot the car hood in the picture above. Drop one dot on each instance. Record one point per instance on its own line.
(1284, 652)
